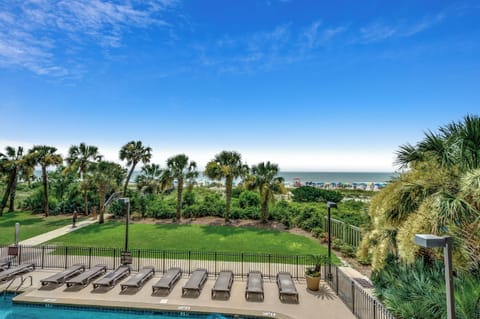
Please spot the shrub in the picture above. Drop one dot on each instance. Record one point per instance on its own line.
(249, 199)
(162, 209)
(312, 194)
(188, 198)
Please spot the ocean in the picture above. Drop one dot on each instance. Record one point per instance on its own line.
(316, 177)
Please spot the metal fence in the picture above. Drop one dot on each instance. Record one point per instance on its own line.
(362, 304)
(49, 256)
(350, 234)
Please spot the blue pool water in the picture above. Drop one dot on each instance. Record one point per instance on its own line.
(9, 310)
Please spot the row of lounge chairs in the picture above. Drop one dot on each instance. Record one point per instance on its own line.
(77, 275)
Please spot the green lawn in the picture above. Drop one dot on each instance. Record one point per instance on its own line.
(30, 225)
(193, 238)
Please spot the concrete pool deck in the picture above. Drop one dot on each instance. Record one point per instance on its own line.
(323, 303)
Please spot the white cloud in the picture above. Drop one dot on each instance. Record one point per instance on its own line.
(34, 33)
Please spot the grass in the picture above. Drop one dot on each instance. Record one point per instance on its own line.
(192, 238)
(30, 225)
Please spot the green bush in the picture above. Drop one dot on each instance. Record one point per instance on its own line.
(305, 194)
(162, 209)
(249, 199)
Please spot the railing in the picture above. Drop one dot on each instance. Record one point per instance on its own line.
(240, 263)
(361, 303)
(349, 234)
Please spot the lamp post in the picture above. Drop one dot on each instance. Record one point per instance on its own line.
(433, 241)
(329, 206)
(126, 256)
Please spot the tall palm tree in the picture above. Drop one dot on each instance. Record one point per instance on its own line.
(438, 194)
(16, 165)
(148, 180)
(228, 165)
(106, 176)
(80, 158)
(134, 152)
(45, 156)
(264, 178)
(181, 169)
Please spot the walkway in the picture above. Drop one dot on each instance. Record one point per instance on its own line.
(40, 239)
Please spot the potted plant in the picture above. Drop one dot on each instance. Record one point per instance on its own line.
(312, 274)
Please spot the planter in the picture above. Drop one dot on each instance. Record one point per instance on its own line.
(312, 282)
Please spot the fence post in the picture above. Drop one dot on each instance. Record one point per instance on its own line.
(43, 255)
(336, 279)
(269, 264)
(242, 266)
(189, 258)
(374, 309)
(215, 264)
(353, 297)
(89, 257)
(114, 258)
(297, 266)
(163, 260)
(66, 257)
(20, 255)
(138, 260)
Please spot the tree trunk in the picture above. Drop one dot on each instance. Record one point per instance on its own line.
(101, 201)
(8, 190)
(179, 198)
(128, 179)
(13, 192)
(228, 196)
(45, 190)
(264, 208)
(85, 200)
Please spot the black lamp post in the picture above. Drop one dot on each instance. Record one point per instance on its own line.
(330, 205)
(126, 256)
(434, 241)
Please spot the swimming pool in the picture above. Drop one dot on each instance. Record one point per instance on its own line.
(10, 310)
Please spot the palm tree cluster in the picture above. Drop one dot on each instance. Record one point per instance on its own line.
(439, 193)
(104, 177)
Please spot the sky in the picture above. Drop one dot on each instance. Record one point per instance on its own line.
(310, 85)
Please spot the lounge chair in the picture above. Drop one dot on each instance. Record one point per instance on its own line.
(14, 271)
(61, 277)
(5, 264)
(139, 279)
(223, 283)
(286, 287)
(111, 279)
(87, 276)
(195, 282)
(168, 281)
(254, 284)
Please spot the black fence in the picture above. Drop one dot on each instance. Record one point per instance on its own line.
(362, 304)
(48, 256)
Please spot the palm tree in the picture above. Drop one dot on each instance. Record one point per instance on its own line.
(438, 194)
(106, 176)
(45, 156)
(134, 152)
(148, 180)
(16, 165)
(226, 165)
(264, 178)
(80, 158)
(181, 169)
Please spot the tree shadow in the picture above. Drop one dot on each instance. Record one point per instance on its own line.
(323, 292)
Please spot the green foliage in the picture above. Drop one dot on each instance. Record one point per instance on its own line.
(188, 198)
(161, 209)
(418, 290)
(305, 194)
(249, 199)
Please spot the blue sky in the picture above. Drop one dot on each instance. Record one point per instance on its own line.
(310, 85)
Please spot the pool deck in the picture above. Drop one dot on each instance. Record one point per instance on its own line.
(323, 303)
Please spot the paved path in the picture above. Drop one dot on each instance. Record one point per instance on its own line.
(37, 240)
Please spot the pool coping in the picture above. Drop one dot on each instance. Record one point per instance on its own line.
(22, 298)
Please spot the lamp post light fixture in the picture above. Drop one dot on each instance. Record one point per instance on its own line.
(446, 242)
(126, 255)
(329, 206)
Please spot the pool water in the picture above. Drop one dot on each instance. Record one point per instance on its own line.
(10, 310)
